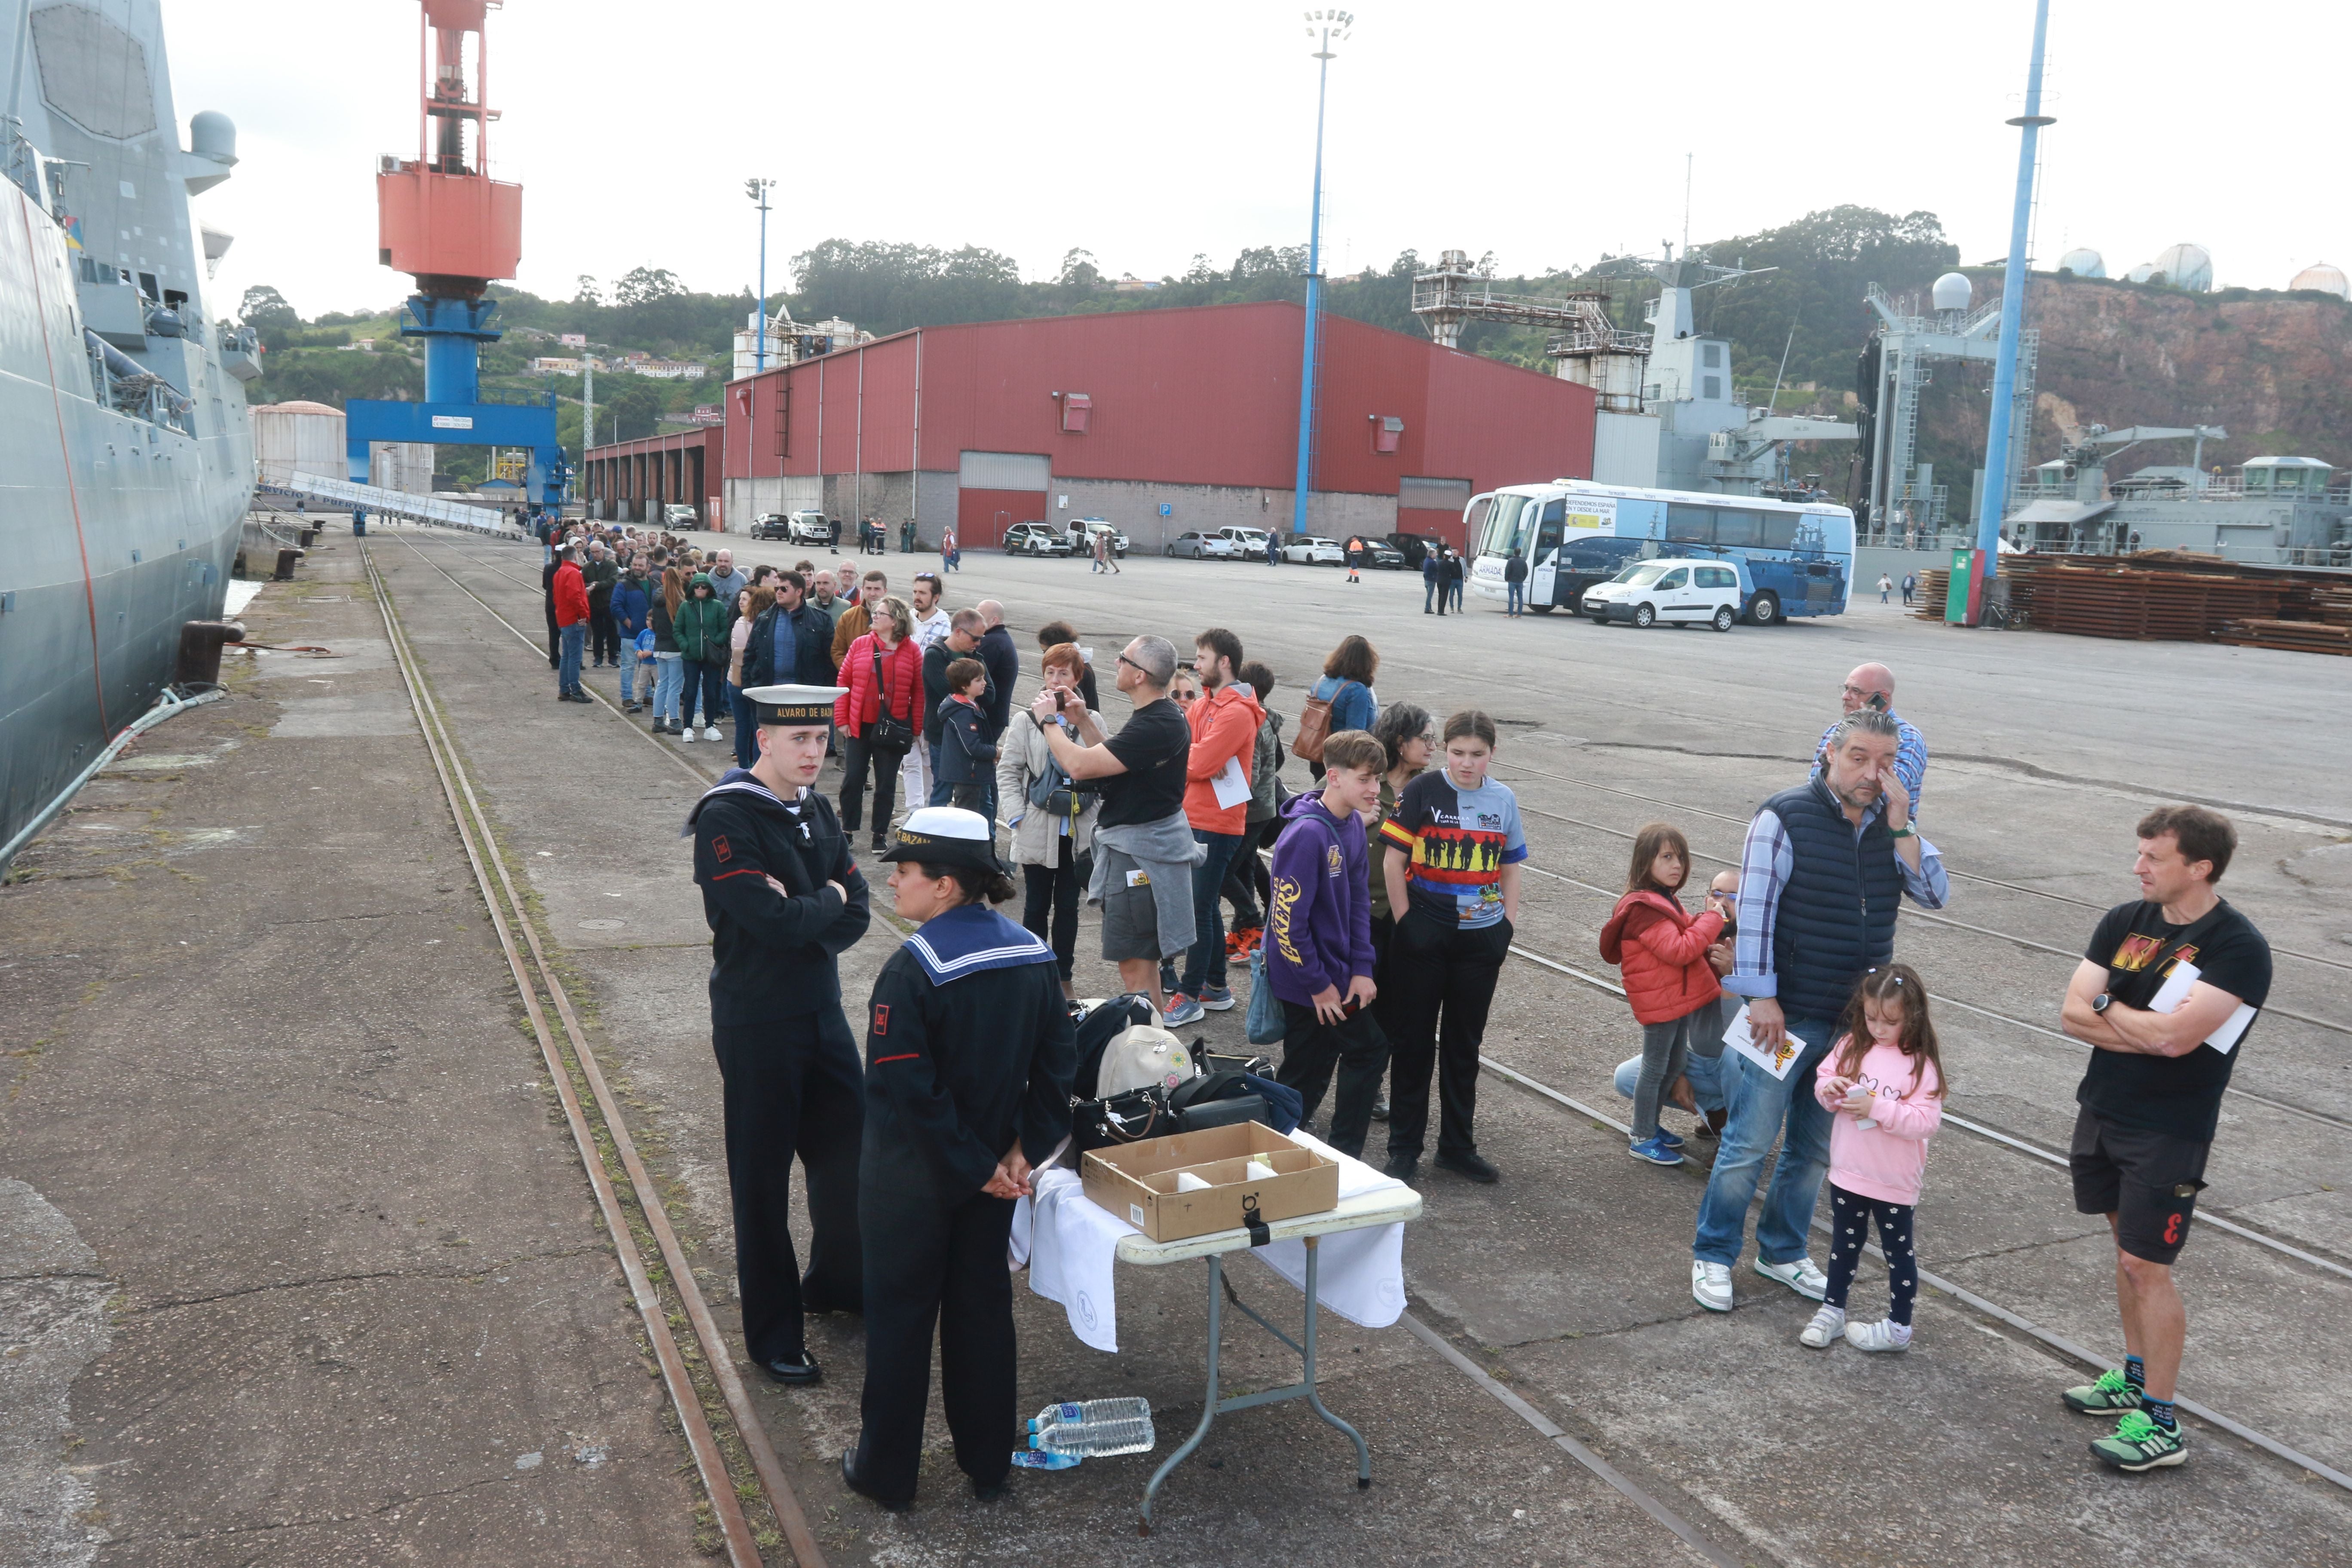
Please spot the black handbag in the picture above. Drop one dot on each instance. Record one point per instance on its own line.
(1127, 1117)
(888, 730)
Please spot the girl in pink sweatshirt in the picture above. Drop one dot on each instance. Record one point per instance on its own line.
(1882, 1084)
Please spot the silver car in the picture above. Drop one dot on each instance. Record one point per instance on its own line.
(1203, 546)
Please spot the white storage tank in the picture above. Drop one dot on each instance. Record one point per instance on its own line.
(2083, 262)
(2324, 279)
(297, 437)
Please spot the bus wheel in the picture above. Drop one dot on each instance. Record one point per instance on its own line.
(1543, 609)
(1645, 616)
(1765, 610)
(1723, 617)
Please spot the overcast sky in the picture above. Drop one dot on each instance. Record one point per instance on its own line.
(1544, 134)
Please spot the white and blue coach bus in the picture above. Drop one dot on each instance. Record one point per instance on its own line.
(1794, 558)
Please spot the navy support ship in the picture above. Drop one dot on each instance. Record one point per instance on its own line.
(126, 455)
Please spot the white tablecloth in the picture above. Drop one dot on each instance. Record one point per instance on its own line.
(1071, 1244)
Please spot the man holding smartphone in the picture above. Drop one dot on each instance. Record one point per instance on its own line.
(1873, 685)
(1839, 843)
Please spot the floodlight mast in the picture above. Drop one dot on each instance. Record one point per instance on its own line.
(1327, 27)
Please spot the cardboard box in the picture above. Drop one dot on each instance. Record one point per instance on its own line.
(1137, 1182)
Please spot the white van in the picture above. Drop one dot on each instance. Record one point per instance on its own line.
(1678, 592)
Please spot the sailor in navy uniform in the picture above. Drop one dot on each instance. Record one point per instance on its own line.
(784, 899)
(969, 1058)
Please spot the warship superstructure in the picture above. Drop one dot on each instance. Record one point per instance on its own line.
(126, 456)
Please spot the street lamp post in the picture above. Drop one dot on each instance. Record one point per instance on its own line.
(1327, 27)
(758, 190)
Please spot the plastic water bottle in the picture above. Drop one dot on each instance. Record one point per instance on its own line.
(1038, 1460)
(1094, 1428)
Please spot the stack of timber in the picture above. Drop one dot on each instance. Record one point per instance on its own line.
(2171, 595)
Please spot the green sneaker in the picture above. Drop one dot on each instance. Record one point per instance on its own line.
(2112, 1393)
(2139, 1444)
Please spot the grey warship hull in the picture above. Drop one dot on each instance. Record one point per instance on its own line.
(126, 455)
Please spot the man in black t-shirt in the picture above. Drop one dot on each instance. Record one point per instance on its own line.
(1144, 848)
(2165, 993)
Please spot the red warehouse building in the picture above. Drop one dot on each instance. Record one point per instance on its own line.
(1161, 421)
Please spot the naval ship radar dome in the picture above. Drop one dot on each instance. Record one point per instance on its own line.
(2327, 280)
(1952, 291)
(2083, 262)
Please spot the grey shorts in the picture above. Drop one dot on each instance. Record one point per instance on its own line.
(1130, 924)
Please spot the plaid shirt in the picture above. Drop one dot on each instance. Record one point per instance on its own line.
(1910, 758)
(1765, 861)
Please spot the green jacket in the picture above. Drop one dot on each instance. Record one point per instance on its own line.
(599, 577)
(701, 625)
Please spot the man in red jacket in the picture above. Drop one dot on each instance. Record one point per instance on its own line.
(1225, 743)
(571, 624)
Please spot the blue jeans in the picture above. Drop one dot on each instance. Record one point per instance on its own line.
(1762, 1108)
(1204, 962)
(667, 668)
(1707, 1075)
(746, 748)
(567, 672)
(709, 682)
(1428, 593)
(1517, 596)
(629, 667)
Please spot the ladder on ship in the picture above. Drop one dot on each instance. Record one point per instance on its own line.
(377, 502)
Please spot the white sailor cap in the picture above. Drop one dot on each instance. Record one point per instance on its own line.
(945, 835)
(796, 704)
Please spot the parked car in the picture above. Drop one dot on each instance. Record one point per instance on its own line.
(1036, 539)
(677, 514)
(771, 525)
(810, 527)
(1249, 543)
(1314, 551)
(1083, 531)
(1203, 546)
(1380, 554)
(1412, 547)
(1679, 592)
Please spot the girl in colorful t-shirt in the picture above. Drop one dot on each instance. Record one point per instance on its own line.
(1453, 884)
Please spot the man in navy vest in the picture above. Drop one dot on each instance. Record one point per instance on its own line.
(1823, 868)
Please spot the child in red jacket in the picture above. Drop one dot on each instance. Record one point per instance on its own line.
(1661, 948)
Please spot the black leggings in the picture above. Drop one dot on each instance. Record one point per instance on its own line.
(1051, 909)
(1850, 1214)
(858, 756)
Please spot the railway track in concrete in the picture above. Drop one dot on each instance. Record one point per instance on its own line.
(632, 1201)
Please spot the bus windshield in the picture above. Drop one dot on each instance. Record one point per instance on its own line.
(1501, 535)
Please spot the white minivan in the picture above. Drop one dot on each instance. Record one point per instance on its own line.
(1676, 592)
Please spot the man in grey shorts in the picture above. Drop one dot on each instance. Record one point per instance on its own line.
(1144, 847)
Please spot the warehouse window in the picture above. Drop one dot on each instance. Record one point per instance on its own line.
(1388, 430)
(1433, 495)
(1077, 408)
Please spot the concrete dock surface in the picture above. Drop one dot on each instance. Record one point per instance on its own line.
(297, 1261)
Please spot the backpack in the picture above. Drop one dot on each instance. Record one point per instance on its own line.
(1315, 724)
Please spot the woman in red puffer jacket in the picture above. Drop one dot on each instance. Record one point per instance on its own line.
(1661, 948)
(887, 650)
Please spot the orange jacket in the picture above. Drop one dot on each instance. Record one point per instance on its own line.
(1224, 726)
(1661, 948)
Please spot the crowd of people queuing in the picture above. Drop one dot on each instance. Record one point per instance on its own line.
(1378, 905)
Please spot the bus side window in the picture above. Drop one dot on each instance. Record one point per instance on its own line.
(1738, 530)
(1779, 531)
(1690, 524)
(1554, 511)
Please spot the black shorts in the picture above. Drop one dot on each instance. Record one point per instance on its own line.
(2149, 1180)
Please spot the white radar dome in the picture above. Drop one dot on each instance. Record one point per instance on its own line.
(2083, 262)
(1952, 291)
(2189, 267)
(2324, 279)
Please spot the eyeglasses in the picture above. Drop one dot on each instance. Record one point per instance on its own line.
(1132, 665)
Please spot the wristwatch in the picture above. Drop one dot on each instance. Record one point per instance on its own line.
(2099, 1003)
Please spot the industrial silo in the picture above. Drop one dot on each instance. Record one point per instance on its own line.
(297, 437)
(2324, 279)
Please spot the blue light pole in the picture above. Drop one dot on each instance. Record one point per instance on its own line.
(1329, 27)
(1986, 564)
(757, 190)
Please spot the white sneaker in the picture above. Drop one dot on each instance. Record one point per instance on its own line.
(1800, 1276)
(1884, 1335)
(1711, 1284)
(711, 732)
(686, 736)
(1828, 1325)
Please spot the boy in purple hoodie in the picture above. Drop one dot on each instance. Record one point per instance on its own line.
(1319, 940)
